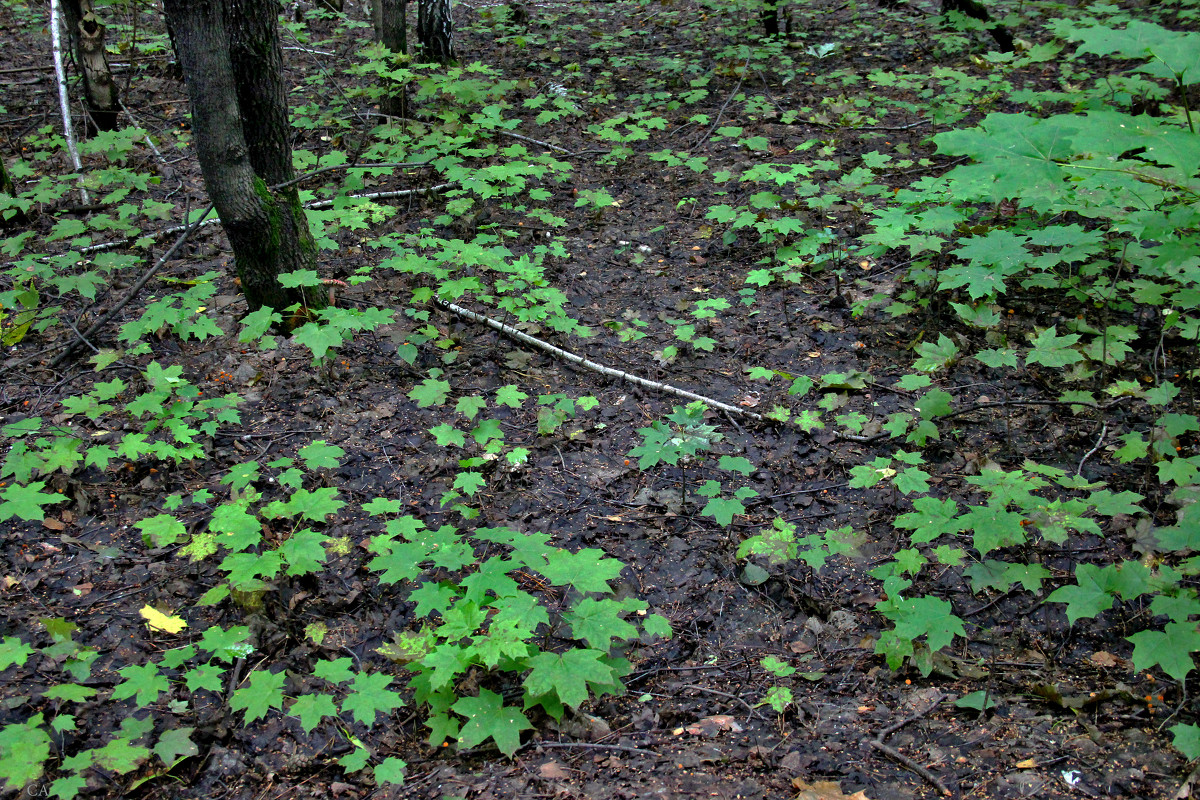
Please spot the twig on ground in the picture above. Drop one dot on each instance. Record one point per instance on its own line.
(593, 746)
(895, 754)
(538, 142)
(913, 717)
(525, 338)
(753, 712)
(320, 204)
(349, 166)
(136, 288)
(1092, 452)
(720, 114)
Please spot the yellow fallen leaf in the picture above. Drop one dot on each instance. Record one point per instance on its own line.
(1028, 763)
(158, 621)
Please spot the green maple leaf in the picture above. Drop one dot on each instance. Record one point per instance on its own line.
(430, 597)
(390, 770)
(142, 680)
(912, 480)
(430, 392)
(226, 644)
(446, 435)
(930, 519)
(469, 483)
(1092, 593)
(69, 691)
(1186, 740)
(319, 455)
(264, 693)
(589, 570)
(13, 651)
(470, 406)
(931, 357)
(444, 663)
(657, 447)
(335, 671)
(1170, 648)
(487, 716)
(504, 640)
(175, 744)
(120, 755)
(401, 562)
(239, 528)
(931, 617)
(723, 510)
(314, 506)
(206, 676)
(369, 695)
(567, 674)
(68, 786)
(161, 529)
(380, 505)
(599, 622)
(510, 396)
(320, 339)
(492, 577)
(1053, 350)
(24, 748)
(486, 431)
(304, 552)
(311, 709)
(26, 502)
(994, 527)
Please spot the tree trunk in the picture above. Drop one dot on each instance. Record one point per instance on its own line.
(977, 10)
(391, 29)
(232, 64)
(100, 96)
(770, 18)
(435, 31)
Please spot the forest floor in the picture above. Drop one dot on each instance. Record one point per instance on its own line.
(1070, 718)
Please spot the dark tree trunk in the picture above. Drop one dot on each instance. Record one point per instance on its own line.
(391, 29)
(435, 31)
(770, 18)
(977, 10)
(86, 34)
(232, 64)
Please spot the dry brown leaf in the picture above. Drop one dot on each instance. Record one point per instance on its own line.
(552, 771)
(711, 726)
(1104, 659)
(824, 790)
(53, 524)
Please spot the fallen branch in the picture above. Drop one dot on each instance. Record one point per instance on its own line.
(896, 755)
(133, 290)
(525, 338)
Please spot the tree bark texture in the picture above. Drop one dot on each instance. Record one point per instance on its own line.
(391, 29)
(232, 65)
(86, 34)
(435, 31)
